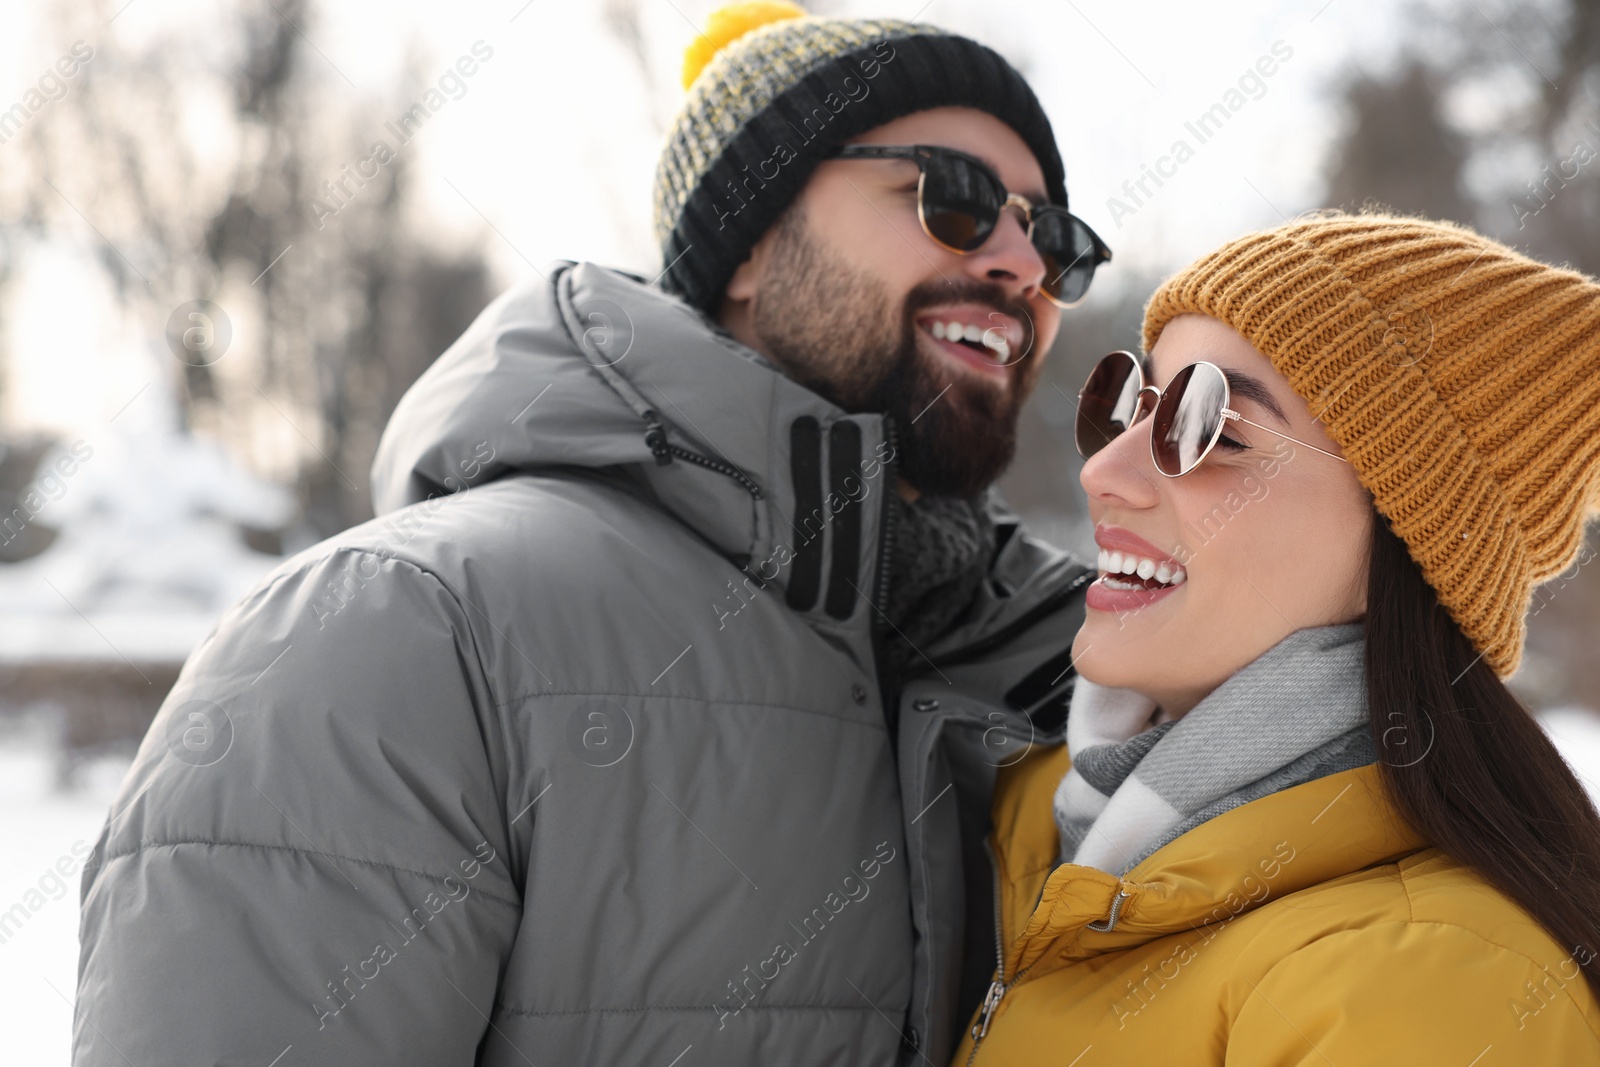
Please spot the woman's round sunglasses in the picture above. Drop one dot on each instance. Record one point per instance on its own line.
(1188, 414)
(959, 201)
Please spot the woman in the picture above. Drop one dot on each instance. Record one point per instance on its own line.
(1298, 817)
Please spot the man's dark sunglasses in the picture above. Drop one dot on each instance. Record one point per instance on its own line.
(959, 201)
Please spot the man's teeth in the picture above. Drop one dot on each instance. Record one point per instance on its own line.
(1117, 563)
(992, 339)
(995, 341)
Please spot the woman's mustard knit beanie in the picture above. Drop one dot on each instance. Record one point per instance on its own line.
(1461, 379)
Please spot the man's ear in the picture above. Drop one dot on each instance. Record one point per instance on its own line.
(739, 295)
(746, 280)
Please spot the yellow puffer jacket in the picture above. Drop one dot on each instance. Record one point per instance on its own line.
(1311, 926)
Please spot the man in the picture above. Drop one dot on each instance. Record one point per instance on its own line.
(655, 719)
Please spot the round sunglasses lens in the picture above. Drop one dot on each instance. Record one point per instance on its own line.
(1109, 403)
(960, 203)
(1068, 253)
(1188, 418)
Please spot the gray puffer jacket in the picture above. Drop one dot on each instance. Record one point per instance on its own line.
(577, 754)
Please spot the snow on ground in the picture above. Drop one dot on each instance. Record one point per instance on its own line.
(46, 831)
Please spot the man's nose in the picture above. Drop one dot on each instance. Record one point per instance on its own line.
(1008, 257)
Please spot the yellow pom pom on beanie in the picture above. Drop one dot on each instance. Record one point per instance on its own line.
(728, 24)
(1460, 378)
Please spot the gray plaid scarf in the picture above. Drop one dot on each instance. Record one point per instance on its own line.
(1295, 713)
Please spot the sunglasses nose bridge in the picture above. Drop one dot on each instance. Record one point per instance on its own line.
(1151, 393)
(1022, 204)
(1025, 210)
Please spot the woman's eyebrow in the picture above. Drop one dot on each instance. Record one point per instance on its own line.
(1240, 383)
(1254, 389)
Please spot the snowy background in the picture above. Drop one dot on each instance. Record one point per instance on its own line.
(186, 160)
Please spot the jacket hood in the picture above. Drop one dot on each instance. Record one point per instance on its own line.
(592, 368)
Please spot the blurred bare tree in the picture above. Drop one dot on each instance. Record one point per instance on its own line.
(1489, 114)
(247, 180)
(1397, 148)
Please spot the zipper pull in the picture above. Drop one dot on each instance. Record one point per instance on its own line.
(656, 438)
(1116, 913)
(991, 1000)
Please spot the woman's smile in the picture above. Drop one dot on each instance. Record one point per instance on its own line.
(1133, 572)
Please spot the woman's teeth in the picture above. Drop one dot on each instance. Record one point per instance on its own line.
(992, 339)
(1118, 563)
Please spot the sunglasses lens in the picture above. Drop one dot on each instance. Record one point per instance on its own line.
(1068, 250)
(1188, 418)
(960, 203)
(1109, 403)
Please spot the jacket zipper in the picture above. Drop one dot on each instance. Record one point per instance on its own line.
(881, 585)
(717, 465)
(1116, 913)
(890, 485)
(655, 435)
(998, 987)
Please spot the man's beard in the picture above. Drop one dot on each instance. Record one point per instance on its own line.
(833, 329)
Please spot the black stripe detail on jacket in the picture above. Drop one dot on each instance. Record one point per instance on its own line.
(844, 466)
(1056, 601)
(1049, 717)
(1041, 681)
(805, 468)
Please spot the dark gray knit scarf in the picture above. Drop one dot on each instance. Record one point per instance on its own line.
(940, 554)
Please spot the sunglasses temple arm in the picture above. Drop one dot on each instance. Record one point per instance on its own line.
(1286, 437)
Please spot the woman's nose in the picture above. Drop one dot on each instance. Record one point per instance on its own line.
(1121, 472)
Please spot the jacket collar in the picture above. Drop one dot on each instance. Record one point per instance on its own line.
(1226, 866)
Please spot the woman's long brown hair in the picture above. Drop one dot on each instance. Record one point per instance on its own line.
(1491, 790)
